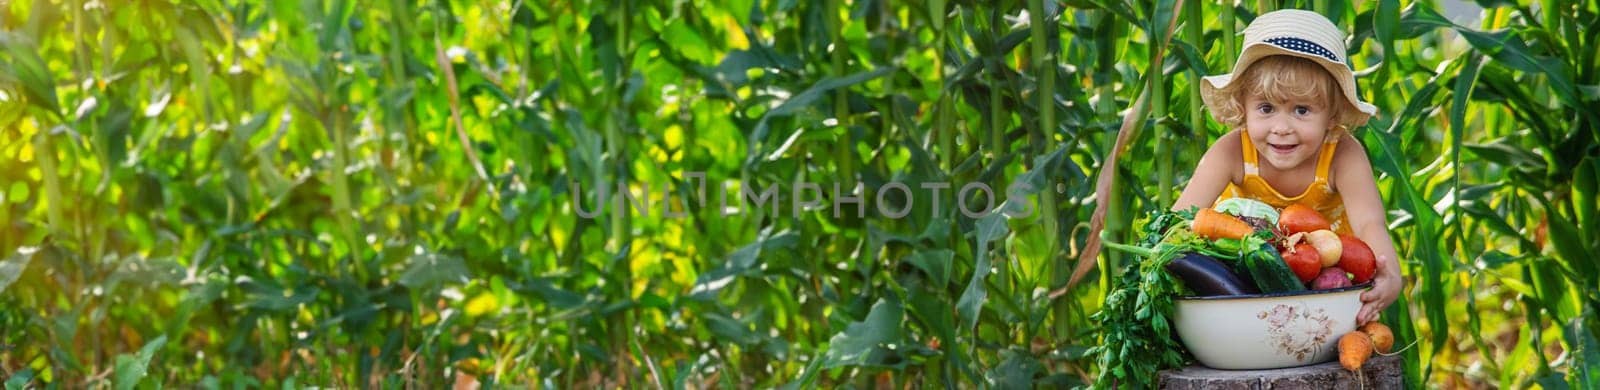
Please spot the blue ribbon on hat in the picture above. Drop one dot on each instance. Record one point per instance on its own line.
(1303, 46)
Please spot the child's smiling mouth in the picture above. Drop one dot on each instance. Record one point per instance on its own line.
(1282, 148)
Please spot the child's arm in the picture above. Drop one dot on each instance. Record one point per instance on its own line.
(1364, 209)
(1215, 170)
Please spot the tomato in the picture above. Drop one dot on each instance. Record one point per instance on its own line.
(1304, 261)
(1299, 218)
(1357, 258)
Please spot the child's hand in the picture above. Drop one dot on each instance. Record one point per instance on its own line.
(1385, 288)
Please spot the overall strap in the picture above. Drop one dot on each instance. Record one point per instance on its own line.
(1250, 165)
(1325, 160)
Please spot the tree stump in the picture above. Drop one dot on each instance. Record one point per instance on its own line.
(1380, 372)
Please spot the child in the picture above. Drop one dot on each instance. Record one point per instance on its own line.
(1291, 100)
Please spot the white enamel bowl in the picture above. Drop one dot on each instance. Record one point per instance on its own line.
(1266, 331)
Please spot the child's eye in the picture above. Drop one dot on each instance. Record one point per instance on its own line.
(1264, 108)
(1302, 110)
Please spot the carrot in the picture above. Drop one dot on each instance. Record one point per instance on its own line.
(1382, 338)
(1211, 224)
(1354, 349)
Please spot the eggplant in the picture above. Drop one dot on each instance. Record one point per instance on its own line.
(1207, 276)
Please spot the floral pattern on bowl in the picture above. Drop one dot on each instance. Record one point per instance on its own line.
(1296, 330)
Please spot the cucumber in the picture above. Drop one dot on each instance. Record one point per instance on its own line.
(1271, 274)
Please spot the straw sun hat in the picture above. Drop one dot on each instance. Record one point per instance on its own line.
(1298, 33)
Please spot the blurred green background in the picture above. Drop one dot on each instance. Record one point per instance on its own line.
(252, 194)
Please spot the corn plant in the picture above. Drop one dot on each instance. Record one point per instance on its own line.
(425, 193)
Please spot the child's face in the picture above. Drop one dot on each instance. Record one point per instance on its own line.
(1286, 134)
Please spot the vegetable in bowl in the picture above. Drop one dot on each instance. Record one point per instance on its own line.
(1177, 262)
(1248, 208)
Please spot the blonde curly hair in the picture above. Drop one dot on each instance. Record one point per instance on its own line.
(1280, 78)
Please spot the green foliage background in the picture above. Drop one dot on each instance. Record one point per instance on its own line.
(338, 193)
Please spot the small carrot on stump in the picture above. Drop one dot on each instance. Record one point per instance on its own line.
(1214, 225)
(1354, 349)
(1382, 338)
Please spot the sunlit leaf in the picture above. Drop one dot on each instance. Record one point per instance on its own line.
(430, 270)
(14, 265)
(23, 65)
(131, 369)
